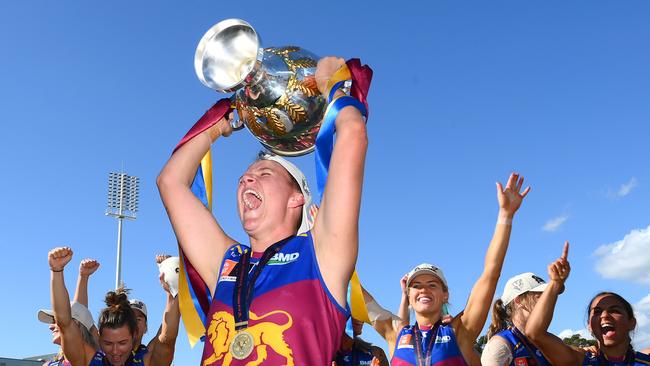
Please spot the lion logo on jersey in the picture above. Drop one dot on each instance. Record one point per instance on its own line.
(265, 334)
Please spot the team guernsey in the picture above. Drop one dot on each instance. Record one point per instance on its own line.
(633, 358)
(59, 362)
(136, 358)
(356, 356)
(444, 349)
(524, 353)
(293, 319)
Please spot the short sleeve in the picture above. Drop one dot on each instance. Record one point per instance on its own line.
(496, 353)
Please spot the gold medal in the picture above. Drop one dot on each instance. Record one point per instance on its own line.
(242, 345)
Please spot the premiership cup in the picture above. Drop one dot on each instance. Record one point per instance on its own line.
(275, 90)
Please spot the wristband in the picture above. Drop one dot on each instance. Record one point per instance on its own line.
(504, 221)
(53, 270)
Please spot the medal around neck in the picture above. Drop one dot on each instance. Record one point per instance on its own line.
(242, 345)
(276, 96)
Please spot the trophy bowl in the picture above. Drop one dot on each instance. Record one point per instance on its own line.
(276, 96)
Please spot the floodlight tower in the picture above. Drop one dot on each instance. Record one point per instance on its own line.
(122, 204)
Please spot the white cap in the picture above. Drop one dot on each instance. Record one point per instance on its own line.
(138, 305)
(78, 311)
(425, 268)
(520, 284)
(171, 268)
(299, 177)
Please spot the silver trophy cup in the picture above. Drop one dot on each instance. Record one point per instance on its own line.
(275, 90)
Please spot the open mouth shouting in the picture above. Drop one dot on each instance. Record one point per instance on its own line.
(251, 199)
(608, 330)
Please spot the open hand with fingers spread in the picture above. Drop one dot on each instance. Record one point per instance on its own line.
(58, 257)
(511, 197)
(559, 270)
(87, 267)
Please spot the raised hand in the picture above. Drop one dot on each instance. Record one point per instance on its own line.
(221, 128)
(326, 67)
(58, 258)
(87, 267)
(511, 197)
(558, 271)
(161, 258)
(164, 284)
(402, 283)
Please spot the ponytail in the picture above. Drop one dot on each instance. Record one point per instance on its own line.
(501, 318)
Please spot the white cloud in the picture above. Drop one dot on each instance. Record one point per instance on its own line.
(584, 333)
(626, 188)
(626, 259)
(641, 337)
(555, 223)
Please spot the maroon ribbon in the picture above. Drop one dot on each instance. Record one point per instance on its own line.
(218, 111)
(361, 78)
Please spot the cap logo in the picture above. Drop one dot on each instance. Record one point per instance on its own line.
(428, 268)
(539, 279)
(518, 284)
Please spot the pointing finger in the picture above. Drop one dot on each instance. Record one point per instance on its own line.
(565, 251)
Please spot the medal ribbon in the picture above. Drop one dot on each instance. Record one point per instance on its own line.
(424, 355)
(530, 348)
(244, 287)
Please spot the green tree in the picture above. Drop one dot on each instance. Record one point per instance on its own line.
(578, 341)
(479, 344)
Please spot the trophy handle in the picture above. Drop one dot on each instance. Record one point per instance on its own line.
(236, 123)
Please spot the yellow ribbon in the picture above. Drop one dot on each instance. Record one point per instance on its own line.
(357, 304)
(341, 74)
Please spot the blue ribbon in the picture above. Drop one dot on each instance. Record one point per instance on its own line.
(198, 188)
(349, 330)
(325, 137)
(335, 87)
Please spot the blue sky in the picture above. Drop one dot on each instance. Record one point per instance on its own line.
(463, 94)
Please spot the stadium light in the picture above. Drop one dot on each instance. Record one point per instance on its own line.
(122, 204)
